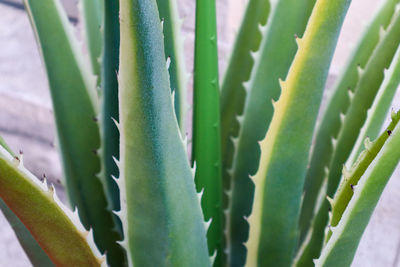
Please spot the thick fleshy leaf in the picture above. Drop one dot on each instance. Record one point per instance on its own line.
(35, 253)
(109, 103)
(365, 92)
(288, 18)
(173, 45)
(375, 119)
(342, 245)
(206, 123)
(339, 102)
(351, 177)
(161, 214)
(238, 71)
(285, 149)
(91, 12)
(75, 106)
(56, 229)
(380, 108)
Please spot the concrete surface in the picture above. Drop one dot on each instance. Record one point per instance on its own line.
(26, 120)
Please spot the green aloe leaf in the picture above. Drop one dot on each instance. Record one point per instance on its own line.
(272, 62)
(232, 100)
(379, 109)
(35, 253)
(369, 82)
(56, 229)
(161, 214)
(75, 105)
(351, 177)
(285, 149)
(206, 122)
(238, 71)
(341, 247)
(109, 105)
(173, 46)
(339, 102)
(372, 127)
(5, 146)
(91, 12)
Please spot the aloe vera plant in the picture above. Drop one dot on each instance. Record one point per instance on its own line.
(138, 197)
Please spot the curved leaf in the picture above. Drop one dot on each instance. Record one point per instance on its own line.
(75, 105)
(285, 149)
(341, 248)
(238, 71)
(277, 50)
(368, 85)
(380, 108)
(339, 102)
(35, 253)
(56, 229)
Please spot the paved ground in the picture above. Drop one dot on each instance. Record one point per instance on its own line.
(26, 120)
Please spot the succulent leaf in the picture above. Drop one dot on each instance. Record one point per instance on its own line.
(376, 117)
(109, 149)
(341, 247)
(206, 123)
(75, 104)
(35, 253)
(56, 229)
(351, 178)
(304, 248)
(279, 180)
(109, 134)
(272, 62)
(379, 109)
(162, 219)
(364, 95)
(233, 89)
(5, 146)
(91, 12)
(173, 45)
(339, 102)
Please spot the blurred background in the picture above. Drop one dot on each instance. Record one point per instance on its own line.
(26, 117)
